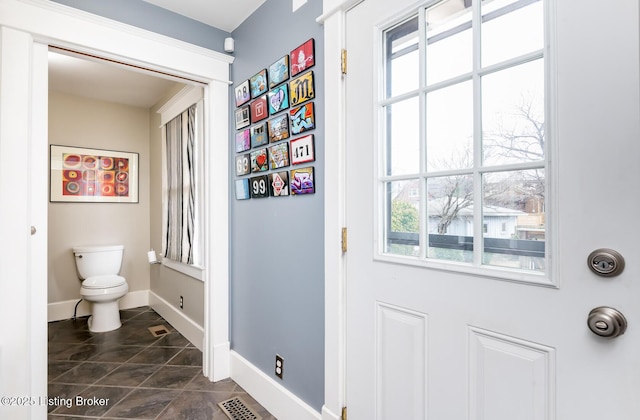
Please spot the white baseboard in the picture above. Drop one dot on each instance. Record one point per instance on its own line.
(58, 311)
(185, 325)
(278, 400)
(329, 415)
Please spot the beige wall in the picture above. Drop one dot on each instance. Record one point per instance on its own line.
(75, 121)
(81, 122)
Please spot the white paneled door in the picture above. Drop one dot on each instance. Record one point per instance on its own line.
(491, 146)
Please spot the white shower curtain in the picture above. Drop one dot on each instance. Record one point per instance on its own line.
(180, 190)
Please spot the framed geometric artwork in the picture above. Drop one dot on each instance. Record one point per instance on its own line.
(278, 99)
(242, 189)
(243, 140)
(259, 109)
(243, 164)
(83, 175)
(279, 128)
(243, 95)
(242, 117)
(301, 89)
(258, 83)
(279, 155)
(303, 57)
(302, 150)
(259, 135)
(301, 181)
(279, 71)
(259, 161)
(302, 118)
(258, 186)
(279, 184)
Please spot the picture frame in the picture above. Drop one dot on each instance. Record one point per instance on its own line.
(278, 128)
(259, 135)
(279, 155)
(259, 186)
(301, 89)
(243, 93)
(243, 117)
(279, 71)
(83, 175)
(302, 118)
(243, 140)
(259, 83)
(242, 189)
(301, 181)
(243, 164)
(279, 184)
(259, 109)
(303, 57)
(278, 99)
(259, 160)
(302, 150)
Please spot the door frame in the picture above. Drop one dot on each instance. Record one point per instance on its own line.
(334, 21)
(32, 25)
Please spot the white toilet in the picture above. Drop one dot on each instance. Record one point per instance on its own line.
(98, 267)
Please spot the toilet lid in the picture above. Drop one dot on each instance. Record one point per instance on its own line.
(102, 282)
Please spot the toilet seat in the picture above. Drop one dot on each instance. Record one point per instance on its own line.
(103, 282)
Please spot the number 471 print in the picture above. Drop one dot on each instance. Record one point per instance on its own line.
(302, 150)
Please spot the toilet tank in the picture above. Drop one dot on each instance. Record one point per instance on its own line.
(98, 260)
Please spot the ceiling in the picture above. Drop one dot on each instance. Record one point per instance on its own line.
(223, 14)
(95, 79)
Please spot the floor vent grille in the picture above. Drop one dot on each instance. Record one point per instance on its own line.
(158, 330)
(236, 409)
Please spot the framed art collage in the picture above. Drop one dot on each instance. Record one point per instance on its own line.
(273, 118)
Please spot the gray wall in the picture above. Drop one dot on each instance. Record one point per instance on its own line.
(277, 244)
(147, 16)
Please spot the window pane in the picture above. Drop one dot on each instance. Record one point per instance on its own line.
(403, 222)
(403, 67)
(513, 127)
(514, 216)
(403, 138)
(450, 218)
(510, 28)
(449, 40)
(450, 127)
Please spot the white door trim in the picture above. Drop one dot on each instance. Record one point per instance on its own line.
(42, 23)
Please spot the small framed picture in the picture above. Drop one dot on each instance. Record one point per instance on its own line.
(278, 99)
(301, 181)
(302, 118)
(303, 57)
(242, 189)
(258, 83)
(279, 155)
(279, 71)
(242, 117)
(259, 162)
(259, 110)
(243, 164)
(279, 184)
(243, 141)
(243, 94)
(259, 135)
(259, 186)
(279, 128)
(302, 150)
(301, 89)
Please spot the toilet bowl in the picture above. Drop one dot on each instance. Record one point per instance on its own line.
(98, 267)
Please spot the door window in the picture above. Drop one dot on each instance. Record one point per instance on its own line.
(463, 153)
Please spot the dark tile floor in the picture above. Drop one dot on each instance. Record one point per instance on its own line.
(130, 374)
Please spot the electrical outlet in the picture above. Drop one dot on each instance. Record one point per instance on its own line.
(181, 302)
(279, 366)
